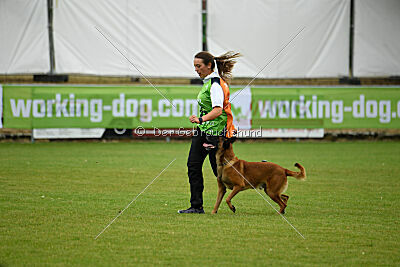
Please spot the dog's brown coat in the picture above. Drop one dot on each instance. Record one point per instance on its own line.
(267, 175)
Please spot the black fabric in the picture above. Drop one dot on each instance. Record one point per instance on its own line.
(202, 112)
(213, 140)
(216, 80)
(197, 155)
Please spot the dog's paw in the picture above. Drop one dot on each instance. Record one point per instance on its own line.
(233, 209)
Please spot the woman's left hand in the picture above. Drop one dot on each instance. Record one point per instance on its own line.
(194, 119)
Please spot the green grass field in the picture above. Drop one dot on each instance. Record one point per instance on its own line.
(56, 197)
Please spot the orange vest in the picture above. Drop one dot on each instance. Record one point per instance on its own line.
(230, 128)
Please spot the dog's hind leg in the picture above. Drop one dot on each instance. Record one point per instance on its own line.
(285, 198)
(221, 193)
(275, 197)
(236, 189)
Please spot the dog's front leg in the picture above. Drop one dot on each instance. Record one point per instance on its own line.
(221, 193)
(236, 189)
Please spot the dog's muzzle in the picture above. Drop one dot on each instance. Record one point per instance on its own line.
(212, 143)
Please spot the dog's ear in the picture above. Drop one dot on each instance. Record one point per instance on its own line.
(226, 143)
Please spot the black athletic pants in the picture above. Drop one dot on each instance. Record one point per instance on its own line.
(195, 161)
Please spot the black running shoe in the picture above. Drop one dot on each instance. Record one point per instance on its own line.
(192, 210)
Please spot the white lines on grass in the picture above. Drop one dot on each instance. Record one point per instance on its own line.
(266, 199)
(133, 200)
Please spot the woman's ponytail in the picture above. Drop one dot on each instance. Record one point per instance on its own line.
(224, 63)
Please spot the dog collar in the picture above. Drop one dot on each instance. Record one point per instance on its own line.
(229, 162)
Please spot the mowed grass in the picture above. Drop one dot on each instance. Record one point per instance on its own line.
(56, 197)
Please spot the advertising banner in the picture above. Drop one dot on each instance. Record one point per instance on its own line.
(30, 106)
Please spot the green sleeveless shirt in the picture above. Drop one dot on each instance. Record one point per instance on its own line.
(217, 125)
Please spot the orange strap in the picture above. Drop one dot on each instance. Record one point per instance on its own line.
(230, 128)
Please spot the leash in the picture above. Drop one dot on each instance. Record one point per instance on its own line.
(231, 162)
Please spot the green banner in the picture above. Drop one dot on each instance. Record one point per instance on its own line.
(31, 106)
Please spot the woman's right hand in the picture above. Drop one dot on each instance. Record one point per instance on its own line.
(194, 119)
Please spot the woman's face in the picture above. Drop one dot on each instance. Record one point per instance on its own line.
(202, 69)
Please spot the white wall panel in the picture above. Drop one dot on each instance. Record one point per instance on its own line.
(24, 41)
(159, 37)
(377, 38)
(260, 28)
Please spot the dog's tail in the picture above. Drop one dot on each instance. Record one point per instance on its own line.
(301, 175)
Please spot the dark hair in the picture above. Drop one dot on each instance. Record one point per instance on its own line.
(225, 63)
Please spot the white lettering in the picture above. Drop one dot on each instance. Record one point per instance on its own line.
(371, 109)
(295, 104)
(72, 105)
(118, 106)
(82, 104)
(145, 110)
(164, 112)
(36, 111)
(337, 111)
(96, 110)
(178, 108)
(61, 107)
(398, 109)
(314, 106)
(358, 107)
(265, 108)
(384, 111)
(321, 105)
(50, 103)
(284, 109)
(131, 108)
(304, 108)
(21, 107)
(191, 106)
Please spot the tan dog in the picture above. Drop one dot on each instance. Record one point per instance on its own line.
(239, 175)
